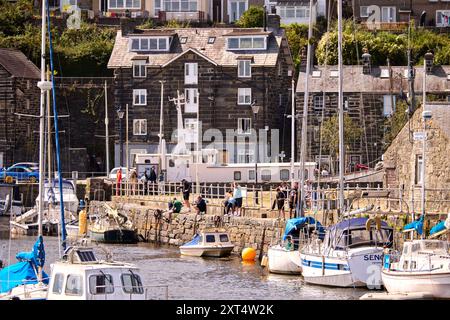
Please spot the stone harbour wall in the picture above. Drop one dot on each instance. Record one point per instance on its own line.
(257, 233)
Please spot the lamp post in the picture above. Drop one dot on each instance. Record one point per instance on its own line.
(255, 109)
(120, 114)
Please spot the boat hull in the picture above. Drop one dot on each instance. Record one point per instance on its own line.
(282, 261)
(436, 284)
(361, 268)
(201, 251)
(114, 236)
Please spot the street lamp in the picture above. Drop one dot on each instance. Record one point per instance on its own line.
(120, 114)
(255, 109)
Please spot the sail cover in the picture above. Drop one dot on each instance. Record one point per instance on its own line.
(415, 225)
(24, 271)
(295, 224)
(438, 228)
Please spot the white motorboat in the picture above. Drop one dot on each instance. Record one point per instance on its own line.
(284, 258)
(80, 276)
(208, 243)
(349, 256)
(423, 267)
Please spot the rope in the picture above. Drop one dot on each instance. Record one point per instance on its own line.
(55, 114)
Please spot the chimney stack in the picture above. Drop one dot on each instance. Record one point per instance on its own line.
(126, 26)
(429, 57)
(273, 22)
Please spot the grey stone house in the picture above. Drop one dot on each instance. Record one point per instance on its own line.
(403, 161)
(370, 97)
(220, 71)
(19, 94)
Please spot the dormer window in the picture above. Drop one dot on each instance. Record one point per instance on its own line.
(150, 44)
(247, 43)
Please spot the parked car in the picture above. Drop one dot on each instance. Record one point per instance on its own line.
(31, 165)
(113, 174)
(19, 173)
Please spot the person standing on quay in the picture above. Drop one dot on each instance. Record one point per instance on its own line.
(186, 189)
(118, 181)
(237, 196)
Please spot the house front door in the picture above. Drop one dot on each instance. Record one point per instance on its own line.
(217, 10)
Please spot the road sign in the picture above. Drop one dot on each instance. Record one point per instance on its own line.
(419, 136)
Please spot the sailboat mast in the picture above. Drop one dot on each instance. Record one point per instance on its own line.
(341, 111)
(305, 115)
(42, 86)
(49, 135)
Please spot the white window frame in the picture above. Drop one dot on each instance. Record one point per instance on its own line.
(252, 47)
(243, 93)
(390, 19)
(144, 44)
(157, 8)
(180, 5)
(388, 108)
(418, 179)
(296, 12)
(139, 65)
(245, 155)
(135, 4)
(142, 127)
(191, 73)
(361, 10)
(244, 123)
(243, 67)
(191, 130)
(318, 105)
(238, 12)
(141, 93)
(191, 102)
(438, 14)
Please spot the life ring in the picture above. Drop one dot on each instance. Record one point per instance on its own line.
(9, 179)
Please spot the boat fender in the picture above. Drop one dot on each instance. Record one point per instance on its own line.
(264, 261)
(378, 222)
(368, 224)
(82, 222)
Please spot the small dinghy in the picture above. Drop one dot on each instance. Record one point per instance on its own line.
(208, 243)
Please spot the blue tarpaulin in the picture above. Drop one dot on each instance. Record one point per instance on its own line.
(293, 225)
(415, 225)
(438, 228)
(24, 271)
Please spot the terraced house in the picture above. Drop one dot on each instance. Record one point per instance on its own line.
(391, 13)
(222, 72)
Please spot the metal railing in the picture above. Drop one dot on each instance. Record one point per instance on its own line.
(317, 199)
(135, 291)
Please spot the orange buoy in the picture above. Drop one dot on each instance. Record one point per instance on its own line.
(248, 254)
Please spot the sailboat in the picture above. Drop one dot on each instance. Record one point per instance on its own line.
(351, 253)
(26, 279)
(423, 266)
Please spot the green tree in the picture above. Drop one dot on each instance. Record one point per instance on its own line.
(297, 37)
(330, 133)
(15, 16)
(381, 45)
(252, 18)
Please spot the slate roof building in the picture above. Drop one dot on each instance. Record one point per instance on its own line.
(370, 97)
(18, 94)
(220, 71)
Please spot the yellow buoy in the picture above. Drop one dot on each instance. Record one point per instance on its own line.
(82, 223)
(248, 254)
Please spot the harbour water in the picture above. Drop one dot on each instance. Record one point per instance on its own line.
(194, 278)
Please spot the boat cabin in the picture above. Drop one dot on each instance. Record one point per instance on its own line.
(358, 232)
(80, 276)
(422, 255)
